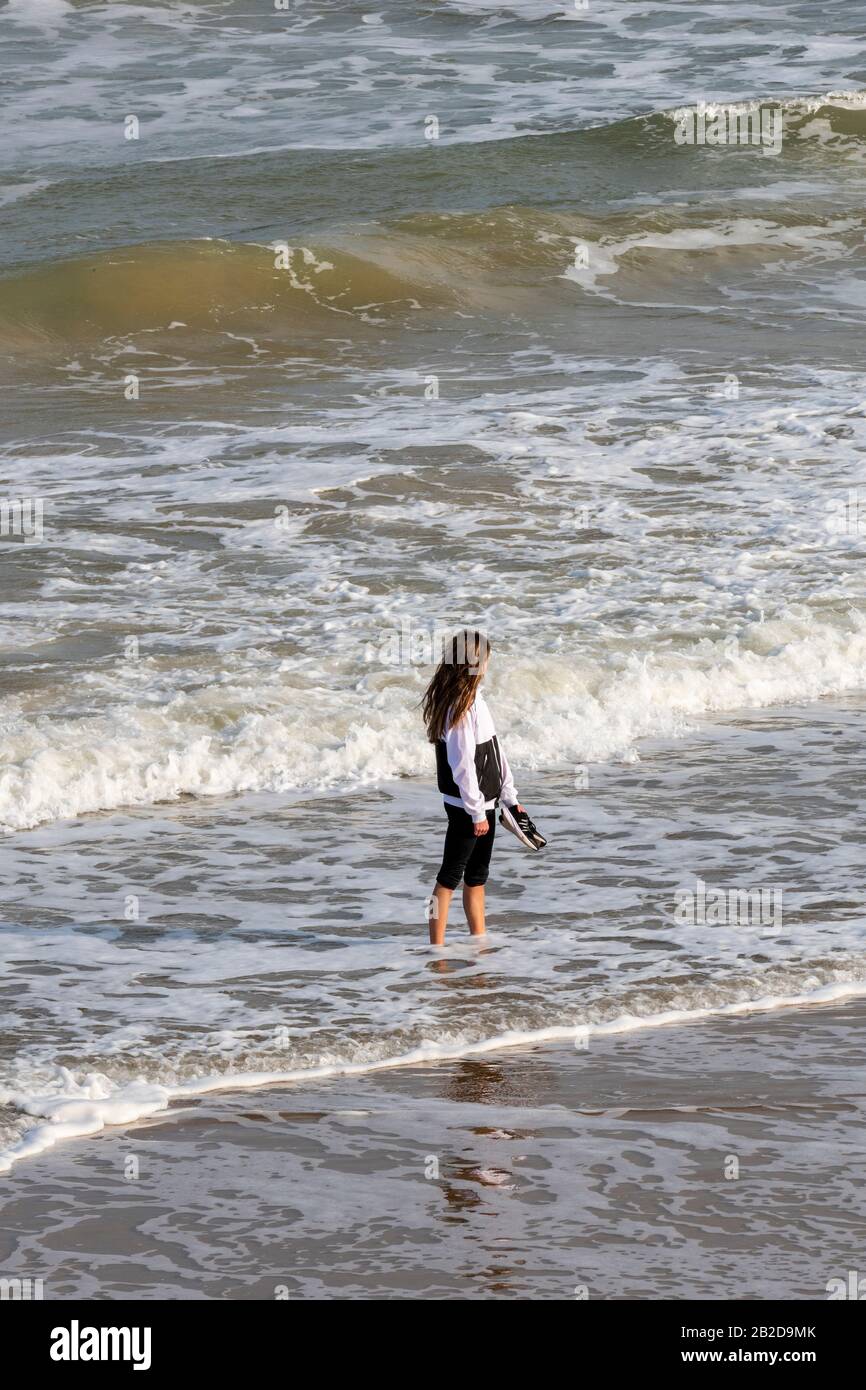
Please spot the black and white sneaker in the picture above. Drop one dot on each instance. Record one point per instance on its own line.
(519, 824)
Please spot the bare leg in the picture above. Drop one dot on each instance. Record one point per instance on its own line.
(473, 906)
(437, 913)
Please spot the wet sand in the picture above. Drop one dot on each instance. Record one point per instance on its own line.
(540, 1173)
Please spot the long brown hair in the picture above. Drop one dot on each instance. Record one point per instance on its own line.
(456, 680)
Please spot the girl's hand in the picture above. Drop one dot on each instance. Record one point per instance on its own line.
(480, 827)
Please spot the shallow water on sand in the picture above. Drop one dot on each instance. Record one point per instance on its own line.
(215, 944)
(672, 1164)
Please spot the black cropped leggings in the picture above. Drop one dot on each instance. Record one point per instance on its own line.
(466, 855)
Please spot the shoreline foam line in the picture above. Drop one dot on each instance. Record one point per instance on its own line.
(72, 1118)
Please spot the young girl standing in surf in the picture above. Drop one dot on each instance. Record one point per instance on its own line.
(473, 776)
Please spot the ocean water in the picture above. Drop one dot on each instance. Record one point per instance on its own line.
(325, 329)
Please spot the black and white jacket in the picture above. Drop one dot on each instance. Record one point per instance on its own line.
(472, 769)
